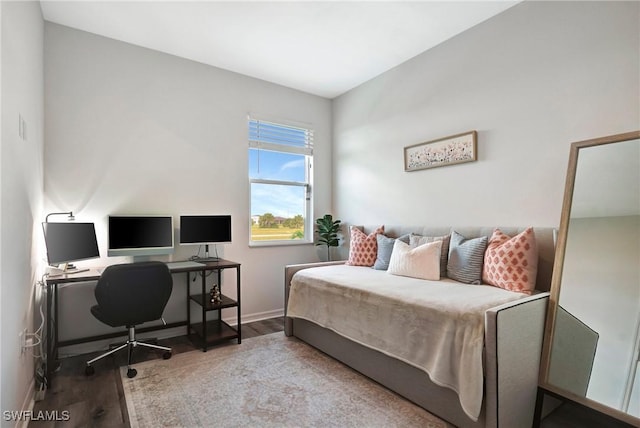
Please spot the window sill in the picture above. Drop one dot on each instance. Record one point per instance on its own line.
(259, 244)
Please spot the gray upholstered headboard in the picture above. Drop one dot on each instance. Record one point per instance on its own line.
(545, 238)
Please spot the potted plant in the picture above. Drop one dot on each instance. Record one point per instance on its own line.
(327, 230)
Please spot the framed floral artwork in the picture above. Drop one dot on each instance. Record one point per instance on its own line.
(451, 150)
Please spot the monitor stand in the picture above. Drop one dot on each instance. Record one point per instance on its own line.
(206, 257)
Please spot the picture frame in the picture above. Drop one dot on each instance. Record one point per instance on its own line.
(455, 149)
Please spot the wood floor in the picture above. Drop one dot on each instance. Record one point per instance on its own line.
(98, 400)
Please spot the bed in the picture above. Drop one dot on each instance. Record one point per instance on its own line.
(472, 358)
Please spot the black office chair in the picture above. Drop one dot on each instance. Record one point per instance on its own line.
(129, 295)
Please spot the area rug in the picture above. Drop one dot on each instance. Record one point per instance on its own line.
(267, 381)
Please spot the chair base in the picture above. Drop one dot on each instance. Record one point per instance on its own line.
(130, 344)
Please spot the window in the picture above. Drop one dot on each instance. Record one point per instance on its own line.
(280, 158)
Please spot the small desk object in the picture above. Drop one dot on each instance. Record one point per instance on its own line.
(202, 333)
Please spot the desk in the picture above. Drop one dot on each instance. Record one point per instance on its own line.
(201, 333)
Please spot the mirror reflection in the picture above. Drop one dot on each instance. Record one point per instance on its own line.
(596, 334)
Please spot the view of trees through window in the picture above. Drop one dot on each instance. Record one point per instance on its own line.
(268, 227)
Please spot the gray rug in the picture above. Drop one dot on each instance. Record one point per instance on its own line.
(267, 381)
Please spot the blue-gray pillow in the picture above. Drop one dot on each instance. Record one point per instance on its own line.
(385, 248)
(417, 240)
(465, 258)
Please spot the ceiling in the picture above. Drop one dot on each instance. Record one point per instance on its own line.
(324, 48)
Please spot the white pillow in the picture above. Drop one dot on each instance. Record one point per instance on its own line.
(421, 262)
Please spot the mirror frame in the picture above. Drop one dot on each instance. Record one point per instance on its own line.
(556, 280)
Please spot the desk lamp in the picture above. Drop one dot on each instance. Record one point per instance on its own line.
(70, 214)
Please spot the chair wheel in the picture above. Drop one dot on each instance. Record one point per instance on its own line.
(132, 373)
(166, 355)
(89, 370)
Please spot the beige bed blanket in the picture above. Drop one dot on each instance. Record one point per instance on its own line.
(437, 326)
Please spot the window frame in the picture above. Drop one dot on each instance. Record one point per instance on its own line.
(307, 152)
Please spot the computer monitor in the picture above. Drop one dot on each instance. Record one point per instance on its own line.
(205, 229)
(140, 235)
(70, 242)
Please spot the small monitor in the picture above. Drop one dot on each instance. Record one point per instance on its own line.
(205, 229)
(140, 235)
(70, 242)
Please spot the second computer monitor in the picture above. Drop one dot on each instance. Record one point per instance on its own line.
(205, 229)
(140, 235)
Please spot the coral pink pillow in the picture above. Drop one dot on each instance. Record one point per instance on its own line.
(363, 248)
(511, 263)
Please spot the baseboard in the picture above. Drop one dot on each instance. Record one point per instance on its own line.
(255, 317)
(27, 404)
(27, 414)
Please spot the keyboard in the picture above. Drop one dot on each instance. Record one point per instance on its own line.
(181, 265)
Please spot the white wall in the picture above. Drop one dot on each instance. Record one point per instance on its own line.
(131, 130)
(530, 80)
(20, 194)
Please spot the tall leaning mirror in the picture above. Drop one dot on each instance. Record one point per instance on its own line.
(592, 339)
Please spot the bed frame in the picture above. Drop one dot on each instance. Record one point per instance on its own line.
(513, 343)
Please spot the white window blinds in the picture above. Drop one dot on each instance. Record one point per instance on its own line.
(281, 138)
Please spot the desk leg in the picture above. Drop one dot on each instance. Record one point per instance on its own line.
(219, 283)
(52, 332)
(238, 299)
(188, 307)
(50, 338)
(204, 312)
(55, 325)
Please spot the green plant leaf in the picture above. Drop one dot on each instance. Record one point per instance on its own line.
(327, 230)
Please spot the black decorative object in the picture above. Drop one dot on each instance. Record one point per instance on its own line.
(214, 294)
